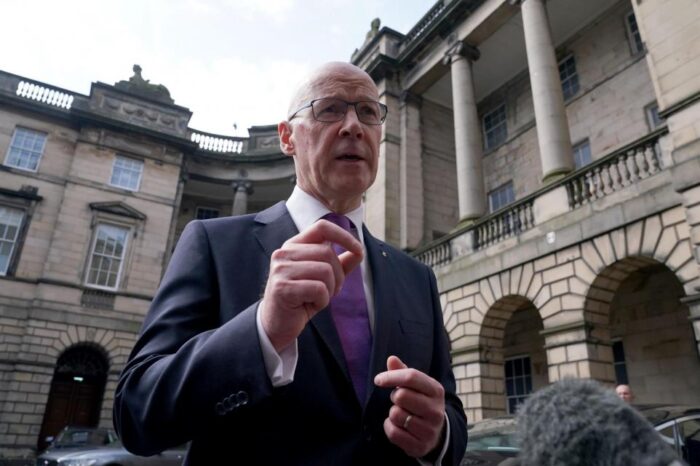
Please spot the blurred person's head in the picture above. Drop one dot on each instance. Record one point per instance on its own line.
(625, 393)
(578, 422)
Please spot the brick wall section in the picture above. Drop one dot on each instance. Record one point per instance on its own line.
(25, 383)
(573, 290)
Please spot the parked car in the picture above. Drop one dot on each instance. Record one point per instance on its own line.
(492, 441)
(78, 446)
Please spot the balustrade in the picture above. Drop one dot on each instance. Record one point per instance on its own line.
(423, 24)
(216, 143)
(439, 255)
(45, 94)
(605, 176)
(510, 221)
(614, 172)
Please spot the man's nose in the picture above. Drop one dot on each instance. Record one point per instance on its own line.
(352, 126)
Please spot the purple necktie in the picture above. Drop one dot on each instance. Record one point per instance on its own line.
(349, 311)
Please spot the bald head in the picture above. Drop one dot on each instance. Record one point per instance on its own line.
(625, 392)
(324, 79)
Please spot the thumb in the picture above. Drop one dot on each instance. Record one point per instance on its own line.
(349, 260)
(393, 363)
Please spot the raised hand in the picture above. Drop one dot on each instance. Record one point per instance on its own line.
(304, 274)
(417, 418)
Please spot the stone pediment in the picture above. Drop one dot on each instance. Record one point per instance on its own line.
(118, 208)
(137, 103)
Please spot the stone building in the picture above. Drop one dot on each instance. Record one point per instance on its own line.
(544, 159)
(94, 191)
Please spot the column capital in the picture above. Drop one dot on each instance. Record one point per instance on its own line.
(408, 97)
(459, 50)
(245, 186)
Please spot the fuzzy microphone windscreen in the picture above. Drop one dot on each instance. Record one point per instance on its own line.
(578, 422)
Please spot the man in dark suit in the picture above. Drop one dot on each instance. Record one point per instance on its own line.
(293, 337)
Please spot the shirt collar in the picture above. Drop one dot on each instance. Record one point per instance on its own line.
(305, 210)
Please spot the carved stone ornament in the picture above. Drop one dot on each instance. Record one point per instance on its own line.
(118, 208)
(460, 49)
(142, 87)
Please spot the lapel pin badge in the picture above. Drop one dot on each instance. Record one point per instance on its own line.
(384, 253)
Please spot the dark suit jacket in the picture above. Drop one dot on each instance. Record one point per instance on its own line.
(197, 372)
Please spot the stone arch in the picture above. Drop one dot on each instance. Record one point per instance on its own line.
(476, 316)
(663, 238)
(77, 390)
(106, 339)
(609, 259)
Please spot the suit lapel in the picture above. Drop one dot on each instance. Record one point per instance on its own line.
(277, 227)
(379, 262)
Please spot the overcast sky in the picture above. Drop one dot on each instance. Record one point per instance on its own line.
(228, 61)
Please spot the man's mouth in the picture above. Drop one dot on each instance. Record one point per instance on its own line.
(350, 157)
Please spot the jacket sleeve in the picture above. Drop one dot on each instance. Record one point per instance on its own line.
(442, 371)
(188, 369)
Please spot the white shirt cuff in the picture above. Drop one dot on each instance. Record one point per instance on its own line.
(438, 461)
(281, 366)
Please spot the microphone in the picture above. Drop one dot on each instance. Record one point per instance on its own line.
(578, 422)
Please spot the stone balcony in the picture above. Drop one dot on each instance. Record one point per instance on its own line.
(603, 195)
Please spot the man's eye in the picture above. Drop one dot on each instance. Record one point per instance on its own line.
(369, 109)
(330, 108)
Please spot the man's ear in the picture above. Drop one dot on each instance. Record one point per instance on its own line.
(284, 129)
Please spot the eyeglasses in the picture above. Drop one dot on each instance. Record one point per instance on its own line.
(330, 109)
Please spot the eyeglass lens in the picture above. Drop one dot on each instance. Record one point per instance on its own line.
(331, 109)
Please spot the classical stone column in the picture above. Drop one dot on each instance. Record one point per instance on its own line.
(553, 135)
(468, 144)
(411, 195)
(241, 190)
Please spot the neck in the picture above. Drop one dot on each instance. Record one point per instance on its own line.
(340, 206)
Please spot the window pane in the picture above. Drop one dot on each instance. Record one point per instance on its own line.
(569, 77)
(107, 255)
(495, 129)
(634, 36)
(204, 213)
(619, 362)
(10, 221)
(501, 196)
(690, 441)
(582, 154)
(126, 173)
(518, 381)
(618, 351)
(25, 149)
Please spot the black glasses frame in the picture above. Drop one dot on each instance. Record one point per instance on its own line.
(384, 110)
